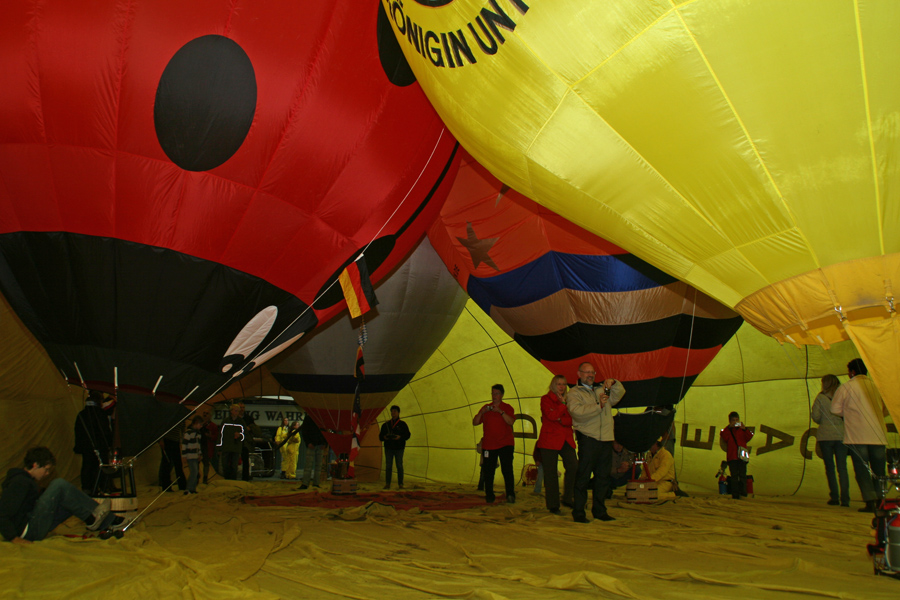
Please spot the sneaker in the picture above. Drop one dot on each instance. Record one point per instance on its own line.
(99, 513)
(121, 525)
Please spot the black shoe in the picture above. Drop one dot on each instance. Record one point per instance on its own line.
(845, 504)
(604, 517)
(555, 511)
(489, 500)
(303, 487)
(869, 507)
(511, 499)
(580, 519)
(832, 502)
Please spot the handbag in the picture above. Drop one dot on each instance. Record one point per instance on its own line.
(743, 453)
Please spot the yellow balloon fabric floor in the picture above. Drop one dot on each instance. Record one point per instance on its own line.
(210, 545)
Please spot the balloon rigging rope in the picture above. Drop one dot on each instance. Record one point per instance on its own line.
(687, 358)
(308, 308)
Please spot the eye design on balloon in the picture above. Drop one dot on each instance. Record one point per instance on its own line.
(205, 103)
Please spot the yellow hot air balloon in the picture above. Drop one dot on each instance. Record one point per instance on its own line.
(751, 149)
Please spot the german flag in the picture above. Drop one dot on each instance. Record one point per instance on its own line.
(357, 286)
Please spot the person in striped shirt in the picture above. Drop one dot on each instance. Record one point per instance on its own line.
(190, 449)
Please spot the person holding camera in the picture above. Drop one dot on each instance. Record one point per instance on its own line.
(497, 418)
(735, 438)
(592, 421)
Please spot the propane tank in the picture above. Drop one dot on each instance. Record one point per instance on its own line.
(892, 550)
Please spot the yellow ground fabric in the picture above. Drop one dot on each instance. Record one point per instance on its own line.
(210, 546)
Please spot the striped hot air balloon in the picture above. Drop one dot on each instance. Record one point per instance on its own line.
(568, 296)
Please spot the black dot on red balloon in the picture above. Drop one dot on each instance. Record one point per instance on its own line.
(391, 56)
(205, 103)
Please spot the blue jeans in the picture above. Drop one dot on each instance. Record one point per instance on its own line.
(834, 452)
(313, 465)
(59, 501)
(392, 455)
(865, 456)
(194, 470)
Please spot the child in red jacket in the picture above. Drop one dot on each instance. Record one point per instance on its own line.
(735, 438)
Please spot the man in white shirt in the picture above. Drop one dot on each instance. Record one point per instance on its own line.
(860, 404)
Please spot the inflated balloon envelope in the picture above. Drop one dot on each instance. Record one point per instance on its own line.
(567, 296)
(182, 182)
(747, 148)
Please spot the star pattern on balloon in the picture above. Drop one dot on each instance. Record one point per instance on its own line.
(478, 249)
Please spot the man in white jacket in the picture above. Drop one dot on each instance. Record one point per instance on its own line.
(592, 420)
(860, 404)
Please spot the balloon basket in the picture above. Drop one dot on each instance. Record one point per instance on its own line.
(342, 487)
(641, 491)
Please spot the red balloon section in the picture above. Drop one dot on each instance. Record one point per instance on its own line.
(171, 169)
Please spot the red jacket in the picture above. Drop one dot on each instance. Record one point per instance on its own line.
(556, 424)
(741, 436)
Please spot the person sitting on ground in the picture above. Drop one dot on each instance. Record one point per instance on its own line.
(623, 468)
(661, 469)
(27, 514)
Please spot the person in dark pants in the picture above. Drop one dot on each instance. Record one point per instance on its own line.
(592, 421)
(556, 440)
(93, 439)
(231, 441)
(498, 418)
(735, 438)
(171, 458)
(394, 434)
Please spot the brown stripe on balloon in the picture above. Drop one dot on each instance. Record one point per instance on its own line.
(567, 307)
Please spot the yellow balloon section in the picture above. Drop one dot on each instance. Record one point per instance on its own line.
(771, 385)
(748, 148)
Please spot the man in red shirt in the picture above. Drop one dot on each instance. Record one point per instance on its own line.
(497, 418)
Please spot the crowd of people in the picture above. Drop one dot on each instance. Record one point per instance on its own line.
(577, 429)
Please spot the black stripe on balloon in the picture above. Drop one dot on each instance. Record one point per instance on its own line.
(148, 311)
(659, 391)
(581, 339)
(380, 249)
(342, 384)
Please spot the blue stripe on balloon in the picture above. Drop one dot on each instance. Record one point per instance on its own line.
(555, 271)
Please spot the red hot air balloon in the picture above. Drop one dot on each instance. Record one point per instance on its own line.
(568, 296)
(176, 174)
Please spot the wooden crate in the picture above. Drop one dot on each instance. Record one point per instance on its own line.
(641, 491)
(343, 486)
